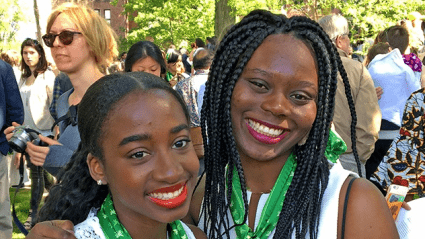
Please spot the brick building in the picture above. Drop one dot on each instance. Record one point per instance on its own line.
(112, 14)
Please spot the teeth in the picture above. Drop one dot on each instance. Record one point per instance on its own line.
(166, 196)
(262, 129)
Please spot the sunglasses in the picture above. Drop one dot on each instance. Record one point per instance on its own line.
(33, 40)
(66, 37)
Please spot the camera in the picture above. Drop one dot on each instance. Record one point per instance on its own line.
(21, 136)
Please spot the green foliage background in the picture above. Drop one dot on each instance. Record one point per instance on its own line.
(181, 21)
(174, 21)
(10, 15)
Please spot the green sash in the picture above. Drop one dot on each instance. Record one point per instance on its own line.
(270, 214)
(112, 228)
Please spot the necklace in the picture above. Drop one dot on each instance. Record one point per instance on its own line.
(112, 227)
(270, 214)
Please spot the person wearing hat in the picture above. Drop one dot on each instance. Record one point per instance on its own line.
(417, 33)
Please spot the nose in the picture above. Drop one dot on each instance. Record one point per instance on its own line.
(277, 104)
(168, 168)
(56, 41)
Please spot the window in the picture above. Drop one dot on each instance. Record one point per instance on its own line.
(108, 15)
(97, 11)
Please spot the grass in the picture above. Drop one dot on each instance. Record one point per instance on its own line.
(22, 207)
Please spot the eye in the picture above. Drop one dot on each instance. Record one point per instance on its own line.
(258, 84)
(139, 154)
(301, 97)
(181, 144)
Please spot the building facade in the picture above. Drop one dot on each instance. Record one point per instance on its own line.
(112, 14)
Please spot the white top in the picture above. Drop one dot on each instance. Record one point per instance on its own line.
(200, 98)
(90, 228)
(328, 223)
(398, 82)
(36, 99)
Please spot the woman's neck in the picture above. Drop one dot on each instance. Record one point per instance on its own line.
(142, 228)
(81, 81)
(31, 79)
(261, 176)
(32, 69)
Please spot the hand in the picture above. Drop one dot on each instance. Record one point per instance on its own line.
(9, 130)
(17, 159)
(379, 92)
(38, 153)
(405, 206)
(52, 229)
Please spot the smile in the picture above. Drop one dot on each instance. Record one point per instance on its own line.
(170, 197)
(267, 134)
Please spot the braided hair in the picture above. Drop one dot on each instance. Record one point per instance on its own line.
(76, 192)
(301, 209)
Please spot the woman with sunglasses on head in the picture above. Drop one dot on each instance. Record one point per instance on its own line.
(36, 88)
(82, 43)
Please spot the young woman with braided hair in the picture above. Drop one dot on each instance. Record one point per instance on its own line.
(270, 168)
(271, 84)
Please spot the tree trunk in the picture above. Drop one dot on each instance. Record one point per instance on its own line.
(37, 22)
(223, 18)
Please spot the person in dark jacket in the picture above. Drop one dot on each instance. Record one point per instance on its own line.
(11, 110)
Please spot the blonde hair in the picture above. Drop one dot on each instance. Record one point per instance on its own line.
(96, 31)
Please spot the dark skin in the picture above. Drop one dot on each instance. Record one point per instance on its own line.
(262, 163)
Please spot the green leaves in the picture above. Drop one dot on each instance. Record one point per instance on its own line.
(172, 21)
(180, 21)
(10, 15)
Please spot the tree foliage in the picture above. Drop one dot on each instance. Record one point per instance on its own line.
(10, 15)
(180, 21)
(177, 22)
(366, 17)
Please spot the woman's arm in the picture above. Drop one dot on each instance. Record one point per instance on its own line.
(368, 215)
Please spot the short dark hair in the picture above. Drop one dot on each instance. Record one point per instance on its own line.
(172, 55)
(378, 48)
(202, 59)
(199, 42)
(141, 50)
(42, 62)
(397, 37)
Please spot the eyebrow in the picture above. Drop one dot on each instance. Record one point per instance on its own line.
(62, 30)
(179, 128)
(143, 137)
(260, 71)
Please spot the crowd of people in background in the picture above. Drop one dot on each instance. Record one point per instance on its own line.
(250, 123)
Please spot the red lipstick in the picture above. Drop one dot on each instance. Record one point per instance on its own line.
(173, 202)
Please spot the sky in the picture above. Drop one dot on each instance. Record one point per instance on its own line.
(28, 29)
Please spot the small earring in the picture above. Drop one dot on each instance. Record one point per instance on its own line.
(99, 182)
(303, 140)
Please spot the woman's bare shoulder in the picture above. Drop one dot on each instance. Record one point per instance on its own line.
(368, 215)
